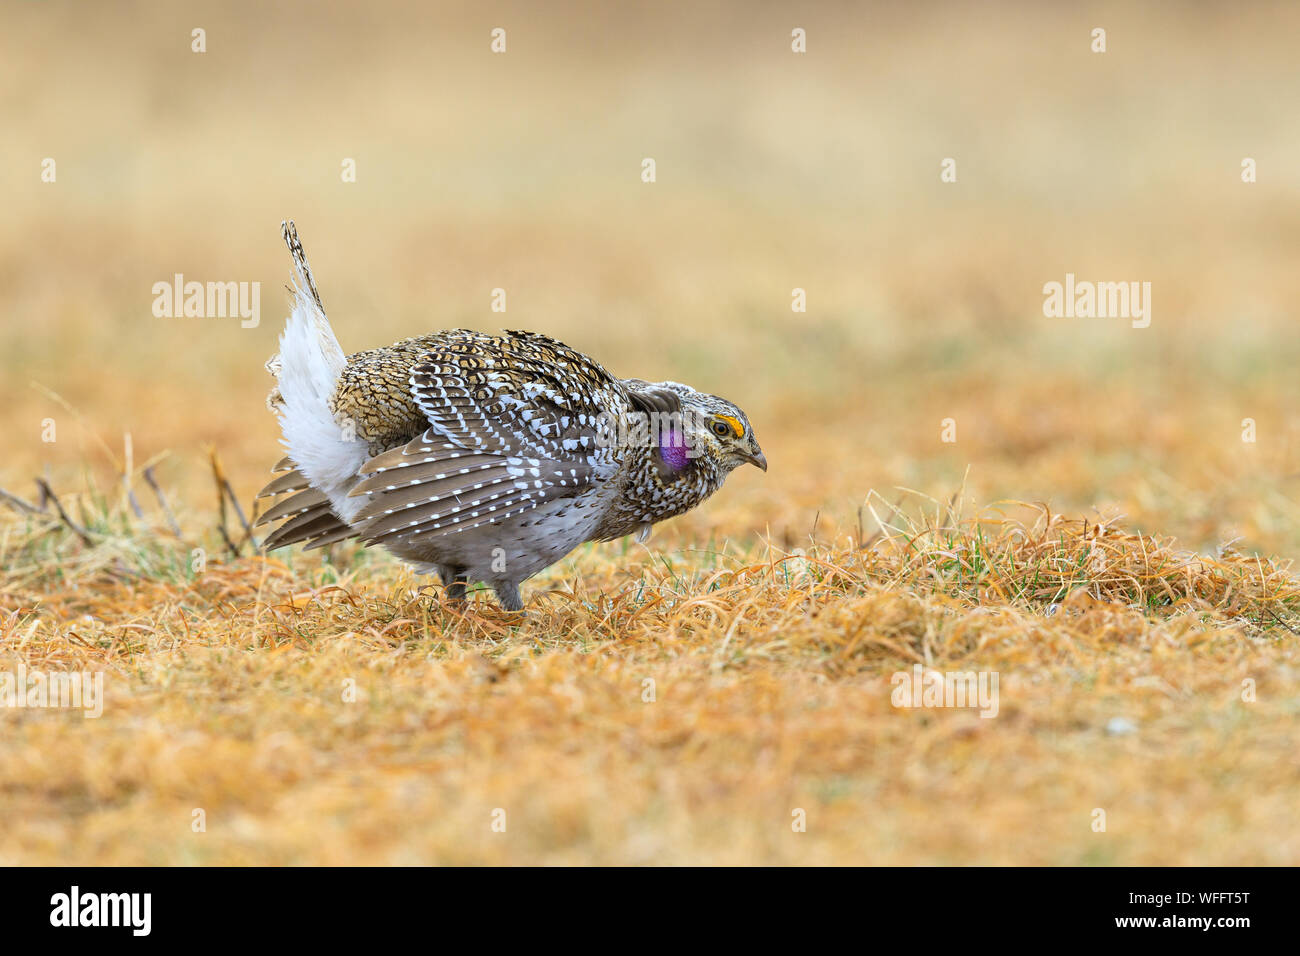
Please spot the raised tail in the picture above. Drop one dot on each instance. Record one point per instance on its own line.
(308, 308)
(307, 371)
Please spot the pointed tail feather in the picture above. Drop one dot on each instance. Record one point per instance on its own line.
(307, 370)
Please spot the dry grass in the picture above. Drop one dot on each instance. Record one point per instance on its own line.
(1147, 577)
(771, 692)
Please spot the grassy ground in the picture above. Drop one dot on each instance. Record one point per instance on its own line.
(1098, 535)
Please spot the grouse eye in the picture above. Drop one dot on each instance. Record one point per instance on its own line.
(721, 429)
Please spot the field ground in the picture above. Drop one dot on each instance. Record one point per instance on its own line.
(332, 714)
(1099, 534)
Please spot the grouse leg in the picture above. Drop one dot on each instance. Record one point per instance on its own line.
(508, 594)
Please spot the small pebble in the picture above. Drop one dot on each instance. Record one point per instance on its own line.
(1119, 726)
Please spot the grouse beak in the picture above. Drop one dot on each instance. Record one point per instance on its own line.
(758, 459)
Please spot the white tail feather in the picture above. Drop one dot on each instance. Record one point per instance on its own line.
(308, 369)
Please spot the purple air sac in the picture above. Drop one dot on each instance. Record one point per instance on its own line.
(672, 449)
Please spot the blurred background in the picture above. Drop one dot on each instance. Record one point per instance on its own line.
(774, 171)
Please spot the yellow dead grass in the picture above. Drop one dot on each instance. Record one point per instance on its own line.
(663, 708)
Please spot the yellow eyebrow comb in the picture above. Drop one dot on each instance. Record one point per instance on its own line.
(736, 427)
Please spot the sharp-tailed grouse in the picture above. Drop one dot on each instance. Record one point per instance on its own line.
(481, 457)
